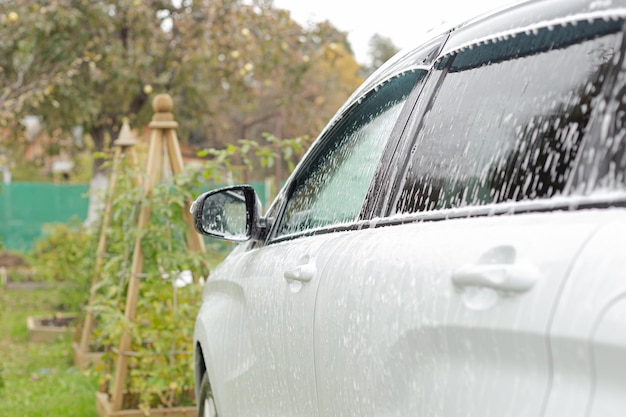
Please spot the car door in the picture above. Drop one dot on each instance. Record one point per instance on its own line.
(442, 304)
(588, 332)
(269, 296)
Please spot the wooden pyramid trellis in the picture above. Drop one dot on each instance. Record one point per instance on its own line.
(162, 137)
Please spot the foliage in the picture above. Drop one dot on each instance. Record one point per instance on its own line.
(2, 383)
(63, 257)
(112, 278)
(33, 59)
(31, 161)
(238, 160)
(235, 68)
(26, 171)
(15, 265)
(160, 368)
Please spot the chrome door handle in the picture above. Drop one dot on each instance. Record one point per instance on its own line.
(303, 273)
(517, 278)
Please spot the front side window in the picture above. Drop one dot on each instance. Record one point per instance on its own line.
(508, 120)
(332, 185)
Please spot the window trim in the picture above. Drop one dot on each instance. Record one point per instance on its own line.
(615, 200)
(380, 192)
(573, 19)
(392, 175)
(555, 204)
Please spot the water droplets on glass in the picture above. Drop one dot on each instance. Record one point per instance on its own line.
(508, 121)
(332, 186)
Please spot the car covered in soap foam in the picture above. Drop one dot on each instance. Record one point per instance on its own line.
(451, 245)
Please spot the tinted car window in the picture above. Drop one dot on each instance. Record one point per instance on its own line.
(334, 181)
(508, 120)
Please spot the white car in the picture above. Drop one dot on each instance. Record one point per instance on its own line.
(453, 244)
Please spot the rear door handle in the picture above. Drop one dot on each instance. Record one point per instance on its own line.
(303, 273)
(515, 278)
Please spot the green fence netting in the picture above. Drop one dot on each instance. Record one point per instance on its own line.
(26, 207)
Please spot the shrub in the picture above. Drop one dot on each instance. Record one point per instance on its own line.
(63, 257)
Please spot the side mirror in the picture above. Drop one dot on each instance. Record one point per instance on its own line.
(231, 213)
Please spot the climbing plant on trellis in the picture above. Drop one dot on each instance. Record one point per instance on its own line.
(152, 356)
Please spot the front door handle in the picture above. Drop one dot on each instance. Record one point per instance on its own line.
(515, 278)
(303, 273)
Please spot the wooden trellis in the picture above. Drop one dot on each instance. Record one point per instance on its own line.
(163, 136)
(124, 146)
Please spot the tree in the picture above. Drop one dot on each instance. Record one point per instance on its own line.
(235, 68)
(381, 49)
(35, 55)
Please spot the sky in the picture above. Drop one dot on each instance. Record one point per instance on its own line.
(403, 21)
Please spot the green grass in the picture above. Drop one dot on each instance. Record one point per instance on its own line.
(39, 379)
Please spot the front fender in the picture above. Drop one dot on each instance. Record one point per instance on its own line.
(222, 342)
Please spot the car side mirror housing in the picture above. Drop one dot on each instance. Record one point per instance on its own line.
(230, 213)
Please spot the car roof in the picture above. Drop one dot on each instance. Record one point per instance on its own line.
(528, 15)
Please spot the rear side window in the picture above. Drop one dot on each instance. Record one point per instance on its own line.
(331, 187)
(508, 120)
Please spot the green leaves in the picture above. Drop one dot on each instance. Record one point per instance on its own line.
(63, 257)
(160, 372)
(238, 159)
(235, 68)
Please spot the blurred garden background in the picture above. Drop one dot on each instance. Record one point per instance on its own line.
(251, 89)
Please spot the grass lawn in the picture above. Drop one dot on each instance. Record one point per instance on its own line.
(39, 379)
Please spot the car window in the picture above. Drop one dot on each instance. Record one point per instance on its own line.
(509, 117)
(332, 184)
